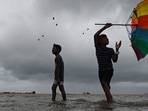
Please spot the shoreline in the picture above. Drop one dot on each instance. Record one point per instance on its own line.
(37, 94)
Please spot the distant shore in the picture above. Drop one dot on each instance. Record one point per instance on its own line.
(32, 92)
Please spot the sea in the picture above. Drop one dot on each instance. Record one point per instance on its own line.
(75, 102)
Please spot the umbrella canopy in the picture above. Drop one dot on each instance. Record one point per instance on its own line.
(139, 33)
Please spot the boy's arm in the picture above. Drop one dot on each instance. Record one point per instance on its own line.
(115, 56)
(107, 25)
(57, 70)
(57, 73)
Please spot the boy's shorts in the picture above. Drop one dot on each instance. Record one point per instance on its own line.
(56, 83)
(105, 76)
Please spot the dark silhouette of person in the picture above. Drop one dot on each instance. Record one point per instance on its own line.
(59, 72)
(105, 56)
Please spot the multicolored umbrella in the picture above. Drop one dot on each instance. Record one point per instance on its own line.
(139, 29)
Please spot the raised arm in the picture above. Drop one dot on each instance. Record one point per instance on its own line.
(107, 25)
(115, 56)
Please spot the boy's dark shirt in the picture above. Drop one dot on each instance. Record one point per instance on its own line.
(59, 68)
(104, 56)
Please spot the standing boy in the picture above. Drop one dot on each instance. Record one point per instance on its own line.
(105, 56)
(59, 72)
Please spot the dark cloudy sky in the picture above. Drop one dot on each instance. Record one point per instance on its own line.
(27, 64)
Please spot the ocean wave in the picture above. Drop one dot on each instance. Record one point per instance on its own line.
(73, 103)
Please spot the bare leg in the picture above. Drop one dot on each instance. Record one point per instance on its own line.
(61, 87)
(54, 87)
(106, 89)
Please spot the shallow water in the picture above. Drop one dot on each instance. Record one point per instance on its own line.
(82, 102)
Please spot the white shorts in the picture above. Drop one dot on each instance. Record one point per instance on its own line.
(56, 83)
